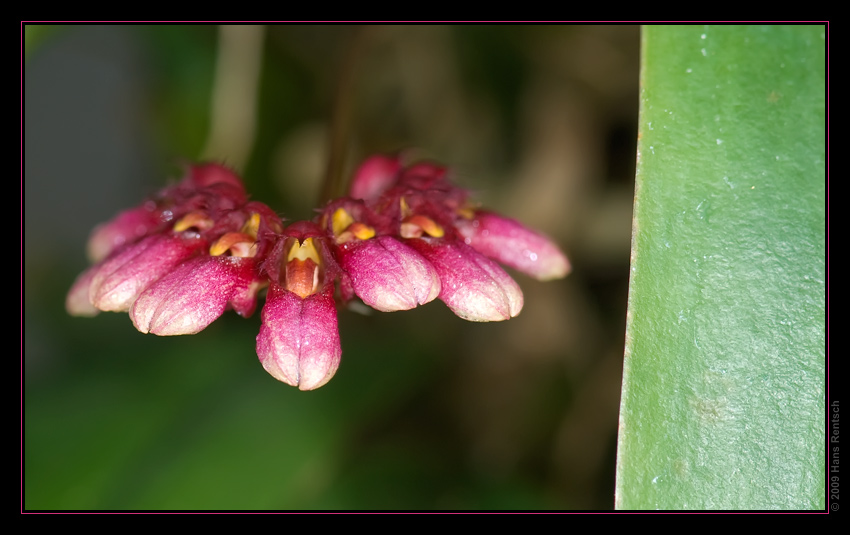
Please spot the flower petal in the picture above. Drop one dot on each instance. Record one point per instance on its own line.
(388, 275)
(121, 278)
(209, 174)
(299, 338)
(77, 303)
(125, 228)
(510, 242)
(473, 286)
(374, 176)
(193, 295)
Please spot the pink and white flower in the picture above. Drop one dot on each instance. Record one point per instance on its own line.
(179, 260)
(299, 338)
(404, 237)
(435, 218)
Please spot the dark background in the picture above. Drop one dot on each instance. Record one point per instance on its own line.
(427, 411)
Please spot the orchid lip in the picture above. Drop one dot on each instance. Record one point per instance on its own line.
(303, 268)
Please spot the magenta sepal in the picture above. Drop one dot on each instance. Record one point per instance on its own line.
(122, 277)
(473, 286)
(511, 243)
(124, 229)
(388, 275)
(77, 303)
(196, 293)
(299, 338)
(374, 176)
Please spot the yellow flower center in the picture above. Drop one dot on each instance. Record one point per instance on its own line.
(198, 220)
(243, 243)
(414, 225)
(345, 228)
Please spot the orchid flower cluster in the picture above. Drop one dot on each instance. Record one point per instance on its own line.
(404, 236)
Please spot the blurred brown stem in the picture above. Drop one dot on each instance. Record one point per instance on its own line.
(340, 131)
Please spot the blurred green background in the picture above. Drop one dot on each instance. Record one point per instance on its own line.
(427, 411)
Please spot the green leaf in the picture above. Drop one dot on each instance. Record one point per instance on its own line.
(723, 387)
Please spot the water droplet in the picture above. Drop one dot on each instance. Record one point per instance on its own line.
(531, 255)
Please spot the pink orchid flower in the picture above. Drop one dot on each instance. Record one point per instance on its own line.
(435, 218)
(404, 237)
(179, 260)
(299, 338)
